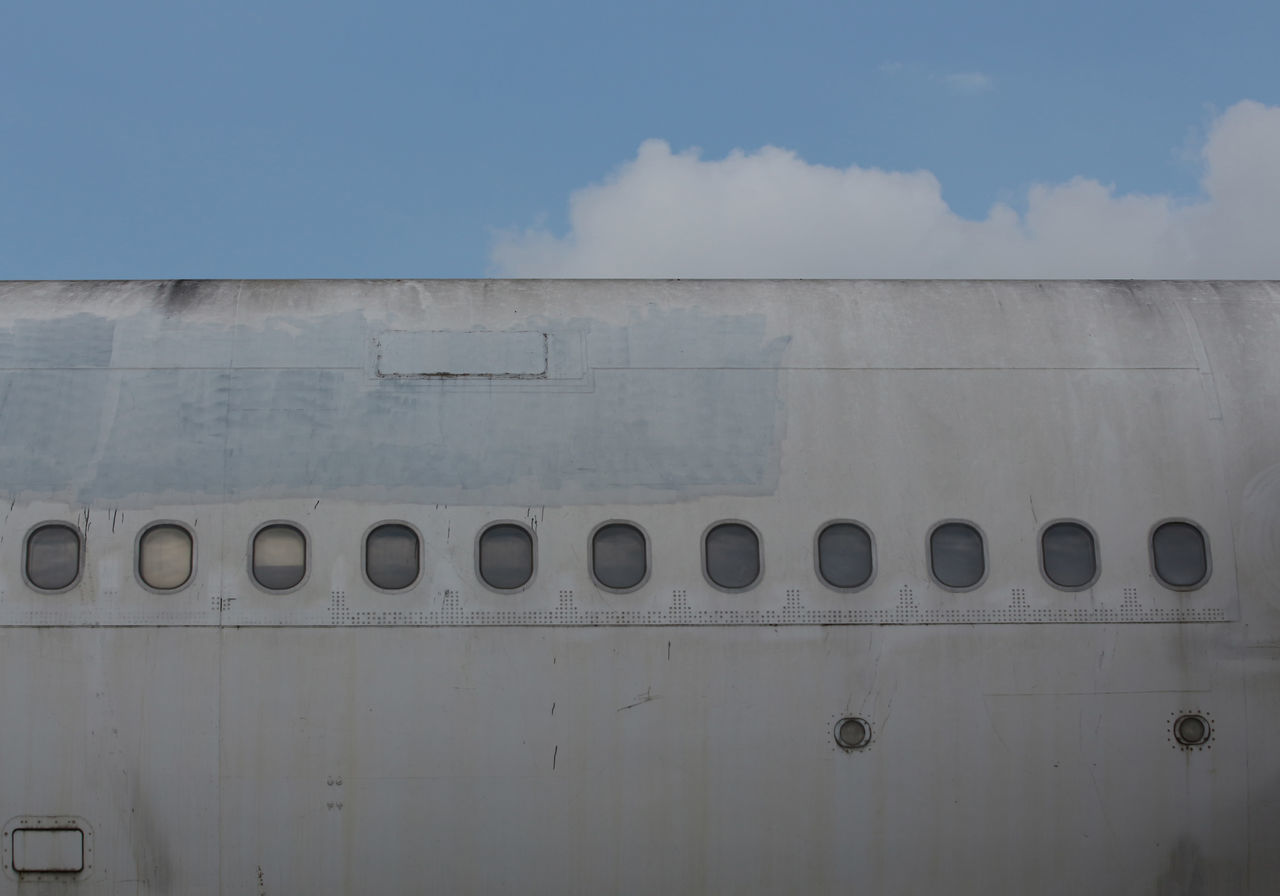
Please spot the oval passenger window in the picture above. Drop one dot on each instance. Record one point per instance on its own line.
(164, 557)
(956, 555)
(844, 555)
(619, 556)
(279, 557)
(391, 557)
(1068, 554)
(731, 554)
(1180, 555)
(506, 556)
(53, 556)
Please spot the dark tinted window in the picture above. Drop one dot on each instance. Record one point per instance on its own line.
(1180, 555)
(391, 556)
(844, 555)
(955, 555)
(732, 555)
(618, 556)
(1068, 553)
(164, 557)
(506, 556)
(53, 556)
(279, 557)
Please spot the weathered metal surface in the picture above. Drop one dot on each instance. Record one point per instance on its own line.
(220, 738)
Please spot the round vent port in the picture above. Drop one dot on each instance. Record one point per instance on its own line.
(1192, 729)
(853, 733)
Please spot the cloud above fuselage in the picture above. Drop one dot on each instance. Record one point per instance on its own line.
(768, 213)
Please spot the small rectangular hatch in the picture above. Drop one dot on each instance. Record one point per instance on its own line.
(48, 850)
(470, 353)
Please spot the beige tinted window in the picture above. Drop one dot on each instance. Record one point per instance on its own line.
(391, 556)
(53, 556)
(164, 557)
(279, 557)
(506, 556)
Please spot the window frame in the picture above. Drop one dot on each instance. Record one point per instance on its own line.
(648, 556)
(1208, 554)
(364, 556)
(1097, 554)
(306, 556)
(533, 547)
(137, 556)
(817, 558)
(702, 549)
(986, 555)
(80, 556)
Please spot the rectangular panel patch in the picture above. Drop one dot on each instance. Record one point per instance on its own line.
(45, 851)
(518, 354)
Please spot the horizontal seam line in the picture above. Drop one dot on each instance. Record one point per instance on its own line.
(194, 367)
(1011, 369)
(593, 367)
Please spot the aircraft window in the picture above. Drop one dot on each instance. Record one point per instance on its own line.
(956, 555)
(506, 556)
(844, 555)
(391, 556)
(53, 556)
(732, 556)
(164, 557)
(619, 556)
(1180, 555)
(279, 557)
(1068, 554)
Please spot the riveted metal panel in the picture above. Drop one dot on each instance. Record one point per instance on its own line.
(339, 738)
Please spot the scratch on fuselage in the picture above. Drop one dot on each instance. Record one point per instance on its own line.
(641, 698)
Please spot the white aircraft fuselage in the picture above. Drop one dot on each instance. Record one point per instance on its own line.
(640, 586)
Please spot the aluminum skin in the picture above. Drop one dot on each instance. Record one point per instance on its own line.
(560, 736)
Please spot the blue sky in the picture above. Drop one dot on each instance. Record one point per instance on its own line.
(389, 139)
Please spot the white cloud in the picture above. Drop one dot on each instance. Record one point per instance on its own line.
(968, 82)
(771, 214)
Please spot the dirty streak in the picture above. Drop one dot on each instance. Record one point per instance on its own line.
(643, 698)
(553, 707)
(992, 722)
(668, 651)
(875, 676)
(554, 754)
(1097, 791)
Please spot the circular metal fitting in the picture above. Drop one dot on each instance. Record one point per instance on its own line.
(1192, 729)
(852, 733)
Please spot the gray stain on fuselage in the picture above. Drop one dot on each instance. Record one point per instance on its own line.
(146, 408)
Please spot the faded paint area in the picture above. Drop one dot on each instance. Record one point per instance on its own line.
(294, 407)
